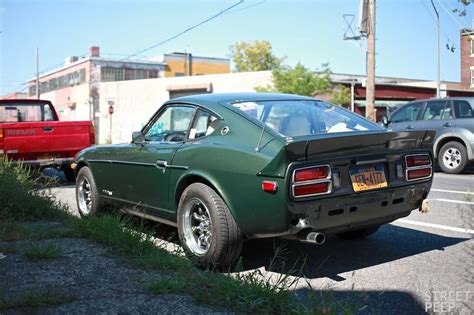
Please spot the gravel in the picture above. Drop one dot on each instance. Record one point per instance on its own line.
(96, 281)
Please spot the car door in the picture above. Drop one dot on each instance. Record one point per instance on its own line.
(437, 115)
(464, 115)
(405, 117)
(145, 167)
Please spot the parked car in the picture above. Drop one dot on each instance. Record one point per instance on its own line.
(453, 120)
(31, 133)
(228, 167)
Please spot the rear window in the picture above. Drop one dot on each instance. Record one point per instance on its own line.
(300, 118)
(20, 112)
(463, 109)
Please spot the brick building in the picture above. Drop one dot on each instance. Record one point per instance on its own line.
(467, 58)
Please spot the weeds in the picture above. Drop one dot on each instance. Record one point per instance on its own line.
(43, 252)
(35, 299)
(20, 197)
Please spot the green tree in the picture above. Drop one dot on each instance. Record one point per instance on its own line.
(300, 80)
(254, 56)
(303, 81)
(340, 95)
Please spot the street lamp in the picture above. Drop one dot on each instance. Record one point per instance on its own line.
(437, 55)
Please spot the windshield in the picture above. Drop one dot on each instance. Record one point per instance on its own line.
(21, 112)
(300, 118)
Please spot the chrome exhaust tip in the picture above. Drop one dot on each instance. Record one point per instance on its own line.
(316, 238)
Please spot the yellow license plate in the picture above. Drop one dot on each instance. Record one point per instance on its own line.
(368, 178)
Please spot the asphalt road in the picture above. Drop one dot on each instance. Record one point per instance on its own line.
(424, 262)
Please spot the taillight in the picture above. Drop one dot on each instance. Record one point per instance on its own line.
(418, 167)
(91, 135)
(313, 173)
(311, 181)
(1, 141)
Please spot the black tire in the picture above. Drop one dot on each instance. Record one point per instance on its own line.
(200, 207)
(452, 157)
(88, 203)
(68, 173)
(358, 234)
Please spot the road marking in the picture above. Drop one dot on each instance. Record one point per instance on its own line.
(453, 201)
(453, 191)
(436, 226)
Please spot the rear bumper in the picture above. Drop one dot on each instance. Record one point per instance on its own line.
(335, 215)
(46, 162)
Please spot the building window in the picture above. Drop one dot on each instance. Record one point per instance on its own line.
(111, 74)
(60, 82)
(32, 90)
(471, 40)
(472, 77)
(152, 74)
(83, 75)
(129, 74)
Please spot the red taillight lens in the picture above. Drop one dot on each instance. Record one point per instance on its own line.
(269, 186)
(313, 173)
(418, 166)
(417, 160)
(91, 135)
(310, 181)
(311, 189)
(419, 173)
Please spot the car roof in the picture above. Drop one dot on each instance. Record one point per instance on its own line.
(215, 100)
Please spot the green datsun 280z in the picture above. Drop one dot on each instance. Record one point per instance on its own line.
(228, 167)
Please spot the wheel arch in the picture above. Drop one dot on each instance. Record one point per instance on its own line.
(451, 138)
(80, 165)
(196, 177)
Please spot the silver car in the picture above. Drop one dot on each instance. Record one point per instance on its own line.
(453, 120)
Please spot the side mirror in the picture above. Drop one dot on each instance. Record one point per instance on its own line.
(138, 137)
(385, 121)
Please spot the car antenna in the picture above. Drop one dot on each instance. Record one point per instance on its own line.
(257, 149)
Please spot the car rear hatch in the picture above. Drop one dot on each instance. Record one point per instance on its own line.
(336, 164)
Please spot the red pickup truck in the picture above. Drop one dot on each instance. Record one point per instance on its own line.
(31, 133)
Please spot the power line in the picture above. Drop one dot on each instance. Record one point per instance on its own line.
(247, 7)
(434, 19)
(451, 15)
(185, 31)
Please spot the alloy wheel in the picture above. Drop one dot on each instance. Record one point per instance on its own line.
(85, 196)
(197, 227)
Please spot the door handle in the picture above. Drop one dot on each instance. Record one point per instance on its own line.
(410, 127)
(48, 128)
(161, 163)
(447, 125)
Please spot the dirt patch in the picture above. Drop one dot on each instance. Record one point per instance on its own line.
(82, 277)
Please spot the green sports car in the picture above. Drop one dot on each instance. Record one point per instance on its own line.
(228, 167)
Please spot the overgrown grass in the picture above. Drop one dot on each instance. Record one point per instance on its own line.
(43, 252)
(20, 196)
(32, 299)
(249, 292)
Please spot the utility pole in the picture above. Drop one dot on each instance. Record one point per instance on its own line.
(37, 74)
(437, 52)
(370, 89)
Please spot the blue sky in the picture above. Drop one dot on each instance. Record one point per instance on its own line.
(307, 31)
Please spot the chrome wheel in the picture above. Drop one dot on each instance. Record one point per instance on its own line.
(84, 196)
(452, 158)
(197, 226)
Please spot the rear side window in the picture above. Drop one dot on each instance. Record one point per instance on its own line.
(463, 109)
(203, 125)
(407, 113)
(437, 110)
